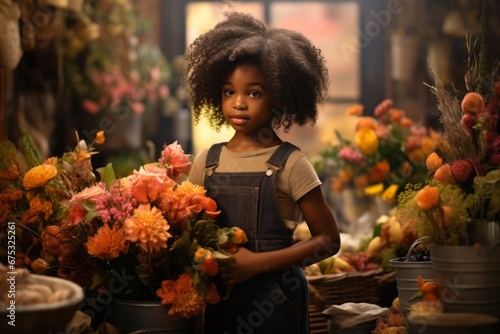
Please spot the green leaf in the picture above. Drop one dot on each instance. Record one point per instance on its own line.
(377, 229)
(492, 177)
(107, 174)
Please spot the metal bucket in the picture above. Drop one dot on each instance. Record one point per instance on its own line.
(145, 316)
(452, 323)
(468, 278)
(407, 272)
(483, 232)
(406, 279)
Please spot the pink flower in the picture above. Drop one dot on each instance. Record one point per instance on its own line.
(90, 106)
(419, 130)
(148, 183)
(413, 143)
(76, 214)
(163, 91)
(383, 131)
(383, 108)
(137, 108)
(492, 111)
(352, 155)
(77, 211)
(173, 156)
(495, 159)
(468, 122)
(89, 194)
(117, 204)
(138, 94)
(155, 73)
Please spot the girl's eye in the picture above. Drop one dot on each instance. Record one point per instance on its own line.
(254, 94)
(227, 92)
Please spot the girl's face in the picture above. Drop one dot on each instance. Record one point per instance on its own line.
(246, 104)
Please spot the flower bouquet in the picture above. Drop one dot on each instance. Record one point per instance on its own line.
(156, 232)
(388, 152)
(470, 160)
(145, 236)
(35, 194)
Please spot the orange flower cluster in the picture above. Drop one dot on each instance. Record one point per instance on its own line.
(34, 194)
(183, 297)
(153, 229)
(148, 227)
(439, 211)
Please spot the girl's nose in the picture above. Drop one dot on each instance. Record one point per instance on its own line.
(239, 103)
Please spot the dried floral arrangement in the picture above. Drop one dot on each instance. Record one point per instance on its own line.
(464, 180)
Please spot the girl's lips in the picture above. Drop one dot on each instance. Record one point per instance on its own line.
(239, 120)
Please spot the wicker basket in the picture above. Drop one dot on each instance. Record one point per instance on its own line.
(336, 289)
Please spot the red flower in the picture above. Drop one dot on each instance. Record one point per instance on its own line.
(462, 170)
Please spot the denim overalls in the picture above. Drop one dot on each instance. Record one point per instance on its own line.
(271, 302)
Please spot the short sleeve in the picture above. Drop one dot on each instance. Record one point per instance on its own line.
(197, 175)
(302, 177)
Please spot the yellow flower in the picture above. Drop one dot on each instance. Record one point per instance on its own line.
(99, 138)
(51, 161)
(389, 194)
(39, 175)
(367, 141)
(107, 243)
(374, 189)
(149, 227)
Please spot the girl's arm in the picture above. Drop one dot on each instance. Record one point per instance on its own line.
(324, 242)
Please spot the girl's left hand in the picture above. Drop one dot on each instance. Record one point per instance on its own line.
(242, 266)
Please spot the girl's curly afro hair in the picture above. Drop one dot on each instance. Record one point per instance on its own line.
(294, 70)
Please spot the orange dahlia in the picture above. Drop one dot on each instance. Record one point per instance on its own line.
(149, 227)
(107, 243)
(185, 300)
(39, 175)
(187, 187)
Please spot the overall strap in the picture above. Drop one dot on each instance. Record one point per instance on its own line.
(279, 157)
(212, 160)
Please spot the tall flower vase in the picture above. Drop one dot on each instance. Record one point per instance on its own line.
(356, 213)
(130, 316)
(468, 278)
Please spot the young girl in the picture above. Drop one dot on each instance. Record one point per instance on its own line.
(258, 79)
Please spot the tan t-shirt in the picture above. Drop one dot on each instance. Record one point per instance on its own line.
(292, 182)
